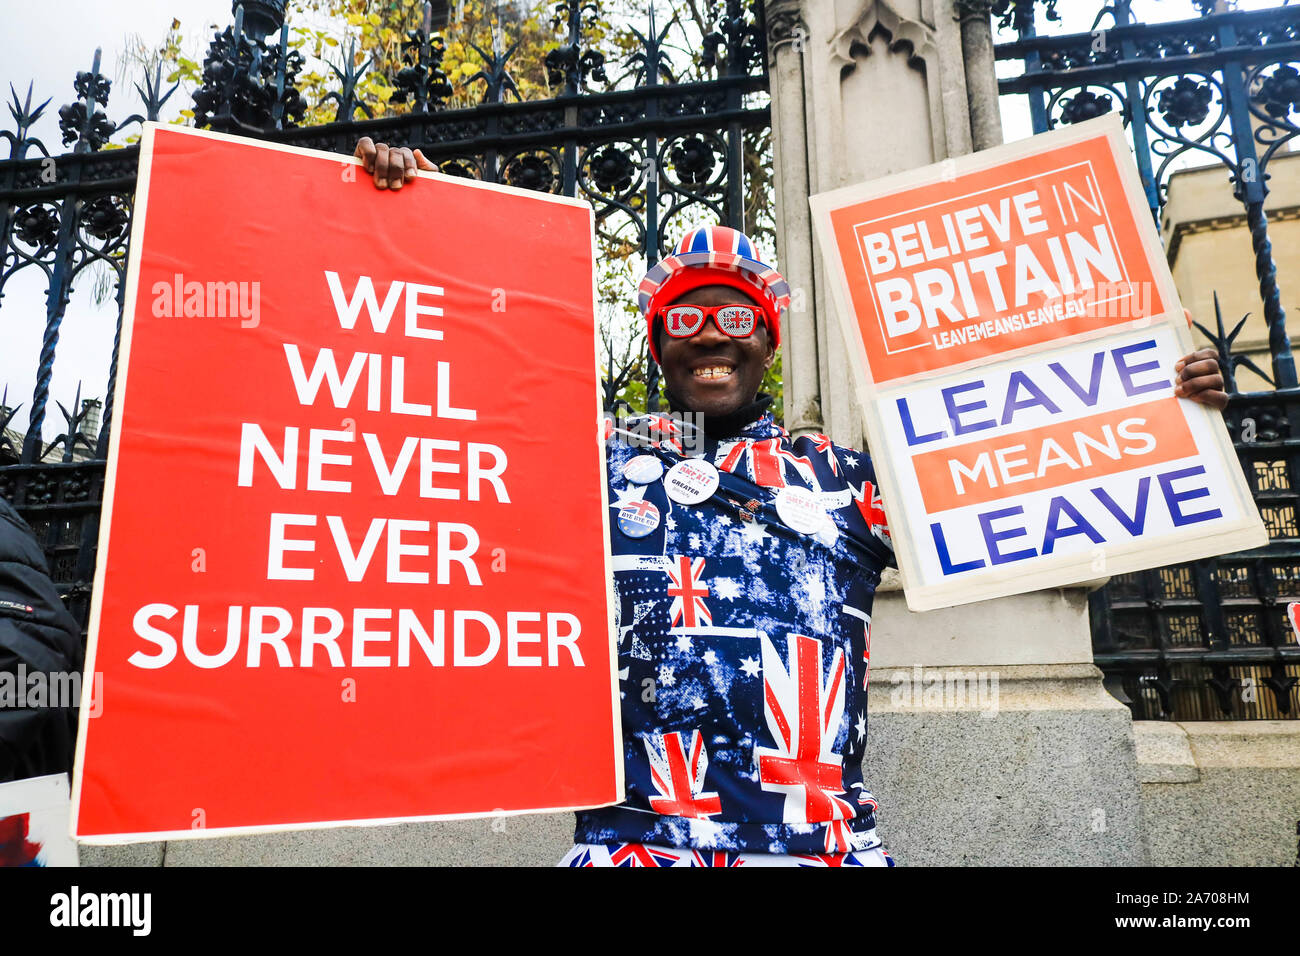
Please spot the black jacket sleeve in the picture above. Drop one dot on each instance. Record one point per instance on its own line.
(37, 636)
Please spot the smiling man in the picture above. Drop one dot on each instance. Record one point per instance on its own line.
(708, 371)
(745, 574)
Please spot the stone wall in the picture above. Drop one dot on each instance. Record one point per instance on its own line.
(1220, 793)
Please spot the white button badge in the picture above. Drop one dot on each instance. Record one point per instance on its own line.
(800, 510)
(691, 481)
(643, 469)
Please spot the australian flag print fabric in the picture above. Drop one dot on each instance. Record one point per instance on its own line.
(743, 649)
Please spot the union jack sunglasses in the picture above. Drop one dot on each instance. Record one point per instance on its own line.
(737, 321)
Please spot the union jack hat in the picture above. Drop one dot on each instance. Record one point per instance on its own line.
(708, 255)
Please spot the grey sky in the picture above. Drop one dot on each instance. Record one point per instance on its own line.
(47, 42)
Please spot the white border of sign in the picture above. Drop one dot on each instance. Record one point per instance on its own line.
(119, 406)
(1062, 570)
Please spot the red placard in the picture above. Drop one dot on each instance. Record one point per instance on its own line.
(353, 559)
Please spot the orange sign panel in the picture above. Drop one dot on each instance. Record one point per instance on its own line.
(994, 260)
(1038, 459)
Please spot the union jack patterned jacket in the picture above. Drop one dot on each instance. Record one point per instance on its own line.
(743, 653)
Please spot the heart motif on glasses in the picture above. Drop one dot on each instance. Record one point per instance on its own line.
(736, 321)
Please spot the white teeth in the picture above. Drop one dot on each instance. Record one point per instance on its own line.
(713, 371)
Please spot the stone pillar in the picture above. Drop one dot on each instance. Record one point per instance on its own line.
(1032, 761)
(981, 81)
(991, 740)
(787, 47)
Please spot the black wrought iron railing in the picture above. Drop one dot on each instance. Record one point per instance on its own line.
(1211, 640)
(1208, 640)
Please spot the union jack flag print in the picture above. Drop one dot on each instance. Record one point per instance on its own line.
(767, 459)
(866, 656)
(679, 776)
(688, 591)
(717, 858)
(804, 713)
(636, 854)
(867, 498)
(838, 837)
(827, 446)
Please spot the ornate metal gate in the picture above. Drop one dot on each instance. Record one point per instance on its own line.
(649, 152)
(1210, 639)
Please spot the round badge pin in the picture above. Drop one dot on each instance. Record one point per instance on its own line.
(643, 469)
(800, 510)
(636, 519)
(691, 481)
(827, 534)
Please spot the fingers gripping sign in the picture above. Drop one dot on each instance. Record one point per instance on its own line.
(391, 166)
(1198, 378)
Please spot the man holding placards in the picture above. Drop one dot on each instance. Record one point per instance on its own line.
(745, 574)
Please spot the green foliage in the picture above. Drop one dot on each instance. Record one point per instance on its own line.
(379, 30)
(772, 385)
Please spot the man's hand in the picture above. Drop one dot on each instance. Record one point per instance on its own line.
(1197, 377)
(392, 166)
